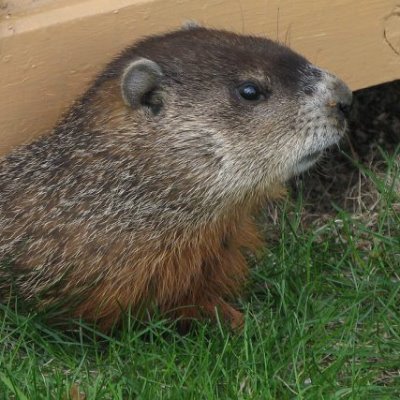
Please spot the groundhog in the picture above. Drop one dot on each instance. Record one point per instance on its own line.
(145, 194)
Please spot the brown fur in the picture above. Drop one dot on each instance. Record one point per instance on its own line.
(201, 272)
(190, 280)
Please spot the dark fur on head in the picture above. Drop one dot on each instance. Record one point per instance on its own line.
(144, 194)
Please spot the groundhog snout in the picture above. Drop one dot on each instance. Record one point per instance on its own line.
(339, 97)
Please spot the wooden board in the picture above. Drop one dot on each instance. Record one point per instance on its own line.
(51, 49)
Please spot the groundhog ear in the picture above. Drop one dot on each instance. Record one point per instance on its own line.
(191, 24)
(139, 81)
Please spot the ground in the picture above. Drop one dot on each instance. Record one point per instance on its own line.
(322, 307)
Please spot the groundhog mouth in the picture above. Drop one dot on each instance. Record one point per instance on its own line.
(311, 157)
(307, 161)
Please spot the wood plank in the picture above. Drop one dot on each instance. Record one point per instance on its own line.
(51, 49)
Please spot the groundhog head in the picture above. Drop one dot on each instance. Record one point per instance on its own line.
(251, 109)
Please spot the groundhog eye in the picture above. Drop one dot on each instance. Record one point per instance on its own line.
(250, 92)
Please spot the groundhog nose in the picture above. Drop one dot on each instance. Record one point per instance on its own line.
(344, 109)
(341, 98)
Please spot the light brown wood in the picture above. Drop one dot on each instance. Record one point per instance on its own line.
(51, 49)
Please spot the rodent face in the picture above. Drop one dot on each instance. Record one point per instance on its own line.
(265, 111)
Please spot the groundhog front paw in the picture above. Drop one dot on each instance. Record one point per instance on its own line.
(216, 309)
(225, 312)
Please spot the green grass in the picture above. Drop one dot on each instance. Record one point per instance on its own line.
(323, 322)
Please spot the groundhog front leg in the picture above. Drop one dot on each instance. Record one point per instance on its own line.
(200, 282)
(218, 308)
